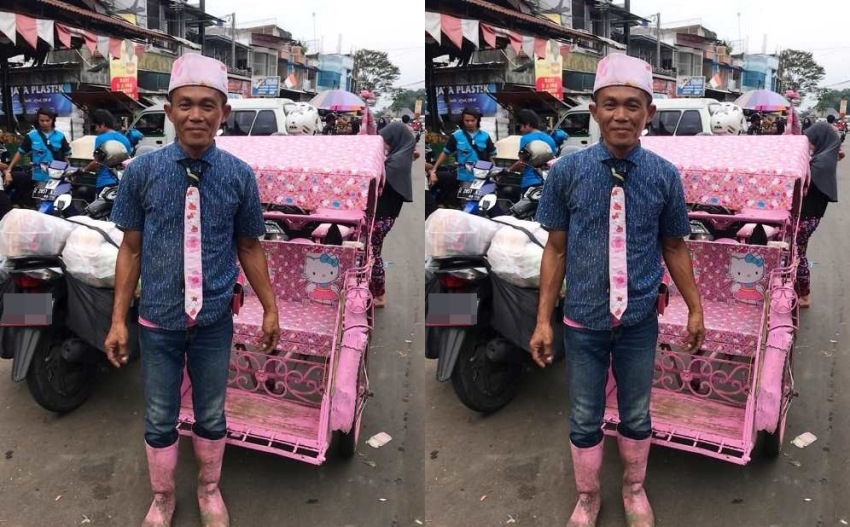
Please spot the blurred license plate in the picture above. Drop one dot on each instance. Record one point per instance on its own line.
(41, 192)
(452, 309)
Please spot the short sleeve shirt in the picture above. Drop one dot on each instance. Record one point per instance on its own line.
(576, 199)
(151, 199)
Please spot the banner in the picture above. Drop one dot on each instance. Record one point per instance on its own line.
(548, 72)
(472, 95)
(133, 11)
(46, 95)
(842, 109)
(690, 86)
(124, 71)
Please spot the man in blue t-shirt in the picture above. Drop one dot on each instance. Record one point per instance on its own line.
(529, 126)
(104, 127)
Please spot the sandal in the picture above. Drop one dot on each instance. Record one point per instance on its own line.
(380, 303)
(804, 302)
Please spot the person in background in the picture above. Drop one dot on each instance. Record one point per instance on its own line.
(469, 144)
(529, 127)
(44, 144)
(355, 126)
(399, 143)
(104, 127)
(330, 124)
(825, 145)
(614, 187)
(382, 122)
(807, 122)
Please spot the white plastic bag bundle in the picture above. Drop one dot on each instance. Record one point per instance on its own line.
(88, 256)
(454, 233)
(29, 233)
(513, 256)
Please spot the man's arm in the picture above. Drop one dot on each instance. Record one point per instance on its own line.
(127, 270)
(253, 262)
(552, 271)
(678, 261)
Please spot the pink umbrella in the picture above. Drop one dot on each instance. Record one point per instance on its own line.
(763, 101)
(338, 101)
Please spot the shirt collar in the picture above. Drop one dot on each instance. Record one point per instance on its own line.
(176, 153)
(601, 152)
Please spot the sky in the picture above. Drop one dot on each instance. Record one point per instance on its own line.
(394, 26)
(798, 25)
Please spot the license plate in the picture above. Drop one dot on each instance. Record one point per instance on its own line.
(466, 193)
(452, 309)
(41, 193)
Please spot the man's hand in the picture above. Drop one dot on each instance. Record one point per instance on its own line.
(416, 155)
(116, 345)
(432, 178)
(271, 331)
(7, 177)
(541, 345)
(696, 331)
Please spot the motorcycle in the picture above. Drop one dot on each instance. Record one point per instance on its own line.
(45, 192)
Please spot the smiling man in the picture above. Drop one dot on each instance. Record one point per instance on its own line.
(188, 211)
(613, 211)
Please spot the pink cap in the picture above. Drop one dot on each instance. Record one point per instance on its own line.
(193, 69)
(619, 69)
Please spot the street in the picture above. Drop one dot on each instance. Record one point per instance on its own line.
(89, 468)
(513, 467)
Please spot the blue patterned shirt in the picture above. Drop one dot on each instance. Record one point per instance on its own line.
(151, 199)
(576, 198)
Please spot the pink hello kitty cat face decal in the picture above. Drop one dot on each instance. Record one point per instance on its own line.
(322, 273)
(746, 272)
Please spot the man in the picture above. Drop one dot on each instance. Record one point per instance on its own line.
(44, 144)
(468, 144)
(529, 127)
(188, 268)
(104, 127)
(610, 305)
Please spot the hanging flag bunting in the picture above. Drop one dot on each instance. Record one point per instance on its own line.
(27, 28)
(115, 47)
(528, 46)
(432, 26)
(489, 35)
(91, 41)
(8, 26)
(470, 31)
(516, 41)
(540, 47)
(140, 51)
(45, 31)
(452, 28)
(64, 34)
(103, 46)
(565, 50)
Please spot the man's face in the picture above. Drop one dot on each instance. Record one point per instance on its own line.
(197, 113)
(524, 128)
(99, 128)
(622, 113)
(470, 122)
(45, 123)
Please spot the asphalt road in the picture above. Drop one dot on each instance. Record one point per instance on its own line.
(88, 468)
(513, 467)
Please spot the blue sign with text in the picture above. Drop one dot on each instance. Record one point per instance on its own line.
(45, 95)
(470, 95)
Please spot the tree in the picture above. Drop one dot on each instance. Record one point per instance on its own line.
(406, 99)
(800, 72)
(375, 72)
(832, 99)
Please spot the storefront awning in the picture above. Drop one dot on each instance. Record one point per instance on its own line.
(114, 101)
(540, 102)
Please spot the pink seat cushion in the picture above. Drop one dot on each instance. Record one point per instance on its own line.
(732, 328)
(305, 327)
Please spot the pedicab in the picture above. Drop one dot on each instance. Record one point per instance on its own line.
(319, 196)
(744, 196)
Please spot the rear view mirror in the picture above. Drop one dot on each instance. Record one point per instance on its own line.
(62, 202)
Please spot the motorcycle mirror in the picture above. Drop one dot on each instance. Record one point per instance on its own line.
(220, 131)
(645, 131)
(487, 202)
(62, 202)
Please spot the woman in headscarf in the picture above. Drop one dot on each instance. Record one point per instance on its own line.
(398, 190)
(825, 145)
(807, 122)
(382, 122)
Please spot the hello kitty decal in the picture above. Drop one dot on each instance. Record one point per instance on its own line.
(322, 273)
(747, 273)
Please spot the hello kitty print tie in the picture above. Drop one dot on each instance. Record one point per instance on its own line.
(618, 277)
(193, 277)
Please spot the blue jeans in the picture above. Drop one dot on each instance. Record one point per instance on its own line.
(588, 354)
(206, 351)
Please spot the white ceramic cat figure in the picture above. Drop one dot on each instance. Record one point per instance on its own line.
(322, 271)
(747, 271)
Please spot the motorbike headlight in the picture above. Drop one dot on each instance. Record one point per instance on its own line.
(55, 173)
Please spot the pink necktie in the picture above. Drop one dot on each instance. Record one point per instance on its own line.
(192, 268)
(618, 277)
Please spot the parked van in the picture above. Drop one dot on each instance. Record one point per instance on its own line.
(672, 117)
(247, 117)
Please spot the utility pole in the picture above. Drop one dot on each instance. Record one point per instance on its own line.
(202, 25)
(627, 28)
(233, 40)
(658, 40)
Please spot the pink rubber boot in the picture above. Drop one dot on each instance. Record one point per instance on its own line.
(161, 465)
(209, 455)
(634, 455)
(587, 464)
